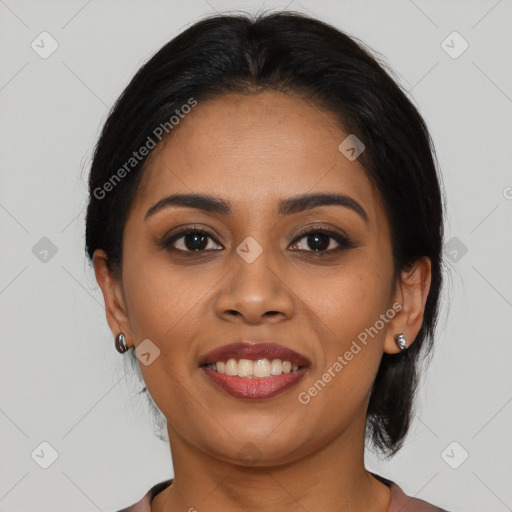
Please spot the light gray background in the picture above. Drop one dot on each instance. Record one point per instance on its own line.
(61, 380)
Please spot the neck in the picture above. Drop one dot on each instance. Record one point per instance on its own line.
(330, 478)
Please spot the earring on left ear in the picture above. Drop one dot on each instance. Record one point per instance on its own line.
(401, 341)
(120, 343)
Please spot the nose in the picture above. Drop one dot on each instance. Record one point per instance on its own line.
(255, 292)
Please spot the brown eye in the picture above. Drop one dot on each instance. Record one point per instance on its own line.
(322, 240)
(194, 240)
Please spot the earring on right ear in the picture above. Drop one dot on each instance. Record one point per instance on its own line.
(120, 343)
(401, 341)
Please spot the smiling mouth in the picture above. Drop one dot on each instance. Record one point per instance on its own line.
(253, 369)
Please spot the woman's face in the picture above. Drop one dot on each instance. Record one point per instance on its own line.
(255, 277)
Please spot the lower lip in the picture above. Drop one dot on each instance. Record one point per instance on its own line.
(257, 388)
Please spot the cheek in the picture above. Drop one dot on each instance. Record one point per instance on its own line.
(163, 303)
(352, 297)
(339, 386)
(349, 306)
(169, 306)
(165, 307)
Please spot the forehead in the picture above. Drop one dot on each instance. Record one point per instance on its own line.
(254, 150)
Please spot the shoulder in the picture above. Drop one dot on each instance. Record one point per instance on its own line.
(401, 502)
(144, 505)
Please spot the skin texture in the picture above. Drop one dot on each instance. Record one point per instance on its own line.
(254, 150)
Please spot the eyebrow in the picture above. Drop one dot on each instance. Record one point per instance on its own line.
(287, 206)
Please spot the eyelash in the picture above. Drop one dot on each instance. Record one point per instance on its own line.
(343, 241)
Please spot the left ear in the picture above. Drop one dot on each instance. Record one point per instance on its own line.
(411, 293)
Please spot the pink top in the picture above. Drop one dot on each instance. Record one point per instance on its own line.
(400, 502)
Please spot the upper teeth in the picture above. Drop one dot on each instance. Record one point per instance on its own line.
(258, 368)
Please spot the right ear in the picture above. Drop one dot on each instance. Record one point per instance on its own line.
(111, 287)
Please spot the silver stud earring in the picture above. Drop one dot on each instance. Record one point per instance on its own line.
(121, 343)
(401, 341)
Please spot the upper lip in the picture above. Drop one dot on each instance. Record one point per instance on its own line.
(254, 351)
